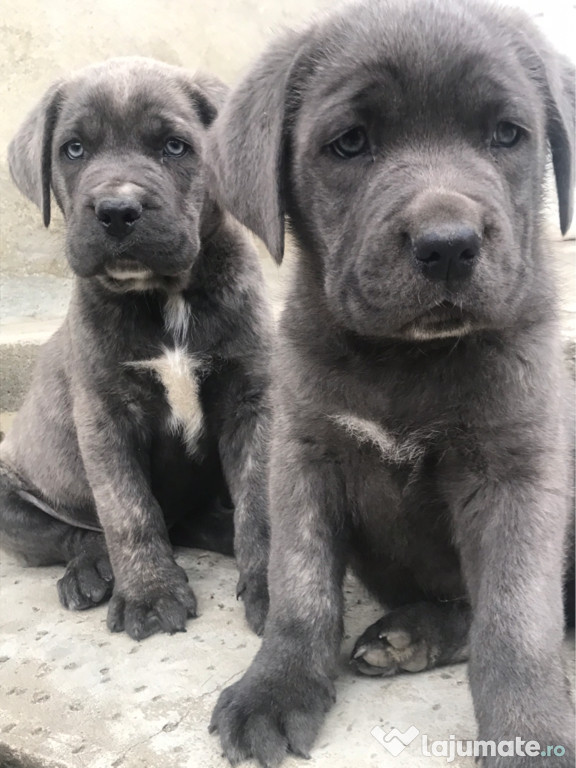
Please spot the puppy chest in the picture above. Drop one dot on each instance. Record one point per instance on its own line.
(390, 447)
(180, 374)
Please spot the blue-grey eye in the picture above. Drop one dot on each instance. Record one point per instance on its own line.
(175, 148)
(506, 135)
(350, 144)
(74, 150)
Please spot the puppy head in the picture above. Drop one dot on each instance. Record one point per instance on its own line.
(121, 146)
(407, 144)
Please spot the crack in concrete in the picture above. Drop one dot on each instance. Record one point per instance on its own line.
(120, 758)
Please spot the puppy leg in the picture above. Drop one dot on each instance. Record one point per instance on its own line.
(509, 522)
(39, 539)
(281, 701)
(243, 449)
(28, 532)
(413, 638)
(151, 592)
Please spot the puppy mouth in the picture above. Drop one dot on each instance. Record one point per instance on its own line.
(128, 269)
(128, 275)
(444, 320)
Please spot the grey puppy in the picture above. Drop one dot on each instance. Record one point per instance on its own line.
(148, 409)
(420, 432)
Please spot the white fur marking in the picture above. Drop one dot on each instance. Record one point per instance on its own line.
(128, 190)
(129, 274)
(421, 334)
(178, 372)
(366, 431)
(177, 317)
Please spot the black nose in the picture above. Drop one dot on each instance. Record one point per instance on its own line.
(118, 215)
(447, 254)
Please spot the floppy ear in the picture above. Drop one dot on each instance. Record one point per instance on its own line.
(30, 151)
(555, 76)
(561, 124)
(208, 95)
(249, 144)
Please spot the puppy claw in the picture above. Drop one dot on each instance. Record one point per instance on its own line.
(240, 589)
(358, 652)
(386, 648)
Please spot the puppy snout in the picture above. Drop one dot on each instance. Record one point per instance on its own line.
(447, 253)
(118, 215)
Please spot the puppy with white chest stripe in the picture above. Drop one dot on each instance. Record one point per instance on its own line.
(147, 419)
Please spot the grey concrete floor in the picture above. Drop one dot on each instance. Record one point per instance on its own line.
(75, 696)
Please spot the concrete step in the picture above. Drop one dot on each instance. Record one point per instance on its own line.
(31, 309)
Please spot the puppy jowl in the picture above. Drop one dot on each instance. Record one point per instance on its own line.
(136, 433)
(420, 410)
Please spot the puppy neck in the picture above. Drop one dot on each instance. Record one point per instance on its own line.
(177, 316)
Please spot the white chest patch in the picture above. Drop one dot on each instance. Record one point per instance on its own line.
(179, 373)
(177, 317)
(390, 447)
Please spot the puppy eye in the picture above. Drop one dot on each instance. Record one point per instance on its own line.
(74, 150)
(506, 135)
(350, 144)
(175, 148)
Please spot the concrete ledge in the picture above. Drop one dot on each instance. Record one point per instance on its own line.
(31, 310)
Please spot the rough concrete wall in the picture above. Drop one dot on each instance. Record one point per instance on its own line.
(41, 41)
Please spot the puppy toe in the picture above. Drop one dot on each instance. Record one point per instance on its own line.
(70, 595)
(140, 621)
(115, 618)
(188, 599)
(171, 614)
(93, 585)
(301, 729)
(373, 659)
(104, 569)
(82, 585)
(254, 594)
(226, 696)
(267, 744)
(231, 728)
(386, 648)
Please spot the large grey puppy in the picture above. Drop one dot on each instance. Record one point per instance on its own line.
(148, 408)
(419, 425)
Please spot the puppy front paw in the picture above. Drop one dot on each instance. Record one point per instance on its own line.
(253, 590)
(267, 714)
(164, 605)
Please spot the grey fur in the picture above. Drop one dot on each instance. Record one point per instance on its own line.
(420, 426)
(148, 412)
